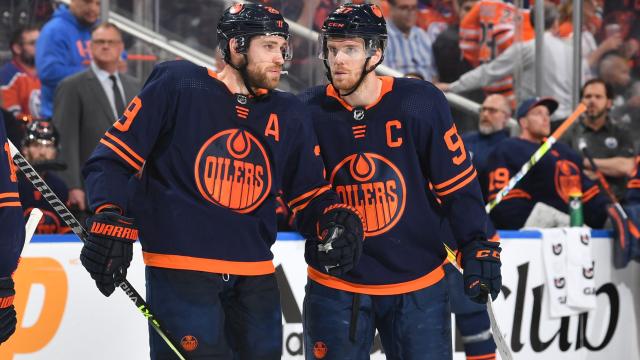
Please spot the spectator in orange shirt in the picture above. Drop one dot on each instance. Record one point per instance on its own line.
(19, 82)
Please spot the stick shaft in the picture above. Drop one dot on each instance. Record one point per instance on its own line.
(79, 230)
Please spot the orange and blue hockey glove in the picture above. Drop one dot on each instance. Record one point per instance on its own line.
(481, 264)
(341, 233)
(108, 250)
(7, 310)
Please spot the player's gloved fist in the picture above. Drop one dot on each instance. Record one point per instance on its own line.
(108, 250)
(7, 310)
(481, 264)
(341, 233)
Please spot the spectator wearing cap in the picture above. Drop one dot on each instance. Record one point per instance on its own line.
(88, 103)
(494, 114)
(20, 83)
(549, 182)
(39, 147)
(610, 145)
(409, 48)
(63, 47)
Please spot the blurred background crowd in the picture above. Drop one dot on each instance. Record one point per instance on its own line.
(68, 72)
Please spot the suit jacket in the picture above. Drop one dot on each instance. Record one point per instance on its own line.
(82, 113)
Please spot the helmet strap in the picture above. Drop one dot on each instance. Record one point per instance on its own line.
(242, 69)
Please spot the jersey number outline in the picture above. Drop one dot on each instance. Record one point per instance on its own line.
(129, 114)
(456, 145)
(12, 167)
(498, 178)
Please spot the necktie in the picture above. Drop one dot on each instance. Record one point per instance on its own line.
(117, 95)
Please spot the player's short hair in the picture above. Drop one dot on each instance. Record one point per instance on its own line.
(107, 25)
(607, 87)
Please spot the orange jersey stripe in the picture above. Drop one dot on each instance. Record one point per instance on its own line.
(388, 289)
(459, 186)
(310, 193)
(9, 194)
(181, 262)
(103, 206)
(125, 147)
(590, 194)
(454, 179)
(304, 205)
(10, 204)
(634, 184)
(482, 357)
(121, 154)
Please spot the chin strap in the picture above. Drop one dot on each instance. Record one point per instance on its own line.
(242, 69)
(365, 72)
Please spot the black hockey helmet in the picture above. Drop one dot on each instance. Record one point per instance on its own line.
(352, 20)
(243, 21)
(41, 131)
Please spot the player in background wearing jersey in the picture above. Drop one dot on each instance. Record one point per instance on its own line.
(550, 181)
(11, 236)
(383, 140)
(193, 167)
(40, 148)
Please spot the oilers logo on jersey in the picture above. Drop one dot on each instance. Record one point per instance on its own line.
(372, 184)
(567, 179)
(232, 170)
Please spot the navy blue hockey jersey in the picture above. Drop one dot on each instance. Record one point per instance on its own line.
(31, 198)
(11, 221)
(381, 159)
(209, 164)
(633, 186)
(550, 181)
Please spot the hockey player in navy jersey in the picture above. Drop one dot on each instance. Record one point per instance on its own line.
(383, 140)
(550, 181)
(40, 147)
(11, 235)
(193, 166)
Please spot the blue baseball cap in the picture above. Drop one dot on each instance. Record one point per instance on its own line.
(529, 104)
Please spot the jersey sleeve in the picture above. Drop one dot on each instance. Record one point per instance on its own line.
(448, 167)
(123, 149)
(11, 221)
(306, 191)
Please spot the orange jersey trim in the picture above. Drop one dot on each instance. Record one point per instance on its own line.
(388, 289)
(482, 357)
(387, 86)
(182, 262)
(459, 186)
(453, 179)
(121, 154)
(590, 194)
(515, 193)
(9, 194)
(634, 184)
(106, 205)
(10, 203)
(308, 196)
(124, 146)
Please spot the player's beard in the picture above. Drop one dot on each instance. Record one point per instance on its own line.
(28, 60)
(345, 84)
(263, 78)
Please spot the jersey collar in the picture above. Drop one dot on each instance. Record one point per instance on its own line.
(387, 86)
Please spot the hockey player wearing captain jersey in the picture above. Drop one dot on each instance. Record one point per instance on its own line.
(550, 182)
(383, 140)
(11, 236)
(216, 148)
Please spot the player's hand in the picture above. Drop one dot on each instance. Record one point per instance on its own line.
(481, 264)
(341, 233)
(77, 199)
(444, 87)
(7, 310)
(108, 250)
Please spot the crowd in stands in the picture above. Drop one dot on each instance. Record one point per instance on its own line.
(70, 75)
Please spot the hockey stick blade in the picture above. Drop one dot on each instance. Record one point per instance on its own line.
(32, 224)
(79, 230)
(496, 333)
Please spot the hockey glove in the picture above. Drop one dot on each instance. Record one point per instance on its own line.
(7, 310)
(341, 233)
(108, 250)
(481, 264)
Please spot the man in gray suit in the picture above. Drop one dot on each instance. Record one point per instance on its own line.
(88, 103)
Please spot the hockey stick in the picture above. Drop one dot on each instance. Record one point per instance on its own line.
(496, 333)
(77, 229)
(602, 181)
(543, 149)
